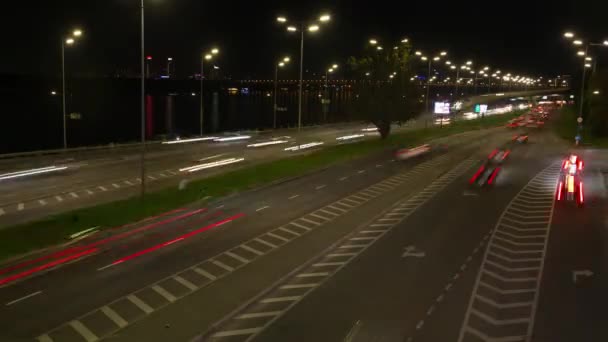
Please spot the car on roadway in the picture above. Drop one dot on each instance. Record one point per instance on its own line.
(407, 153)
(487, 173)
(520, 138)
(570, 184)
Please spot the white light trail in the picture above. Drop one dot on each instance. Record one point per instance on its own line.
(350, 137)
(32, 172)
(213, 164)
(188, 140)
(268, 143)
(303, 147)
(371, 129)
(234, 138)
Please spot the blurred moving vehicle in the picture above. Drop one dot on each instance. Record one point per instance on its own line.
(520, 138)
(407, 153)
(570, 185)
(487, 173)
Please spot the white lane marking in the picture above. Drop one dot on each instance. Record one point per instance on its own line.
(116, 185)
(204, 273)
(264, 242)
(335, 255)
(262, 208)
(2, 212)
(164, 293)
(107, 266)
(74, 195)
(222, 265)
(362, 238)
(259, 314)
(343, 179)
(320, 187)
(59, 199)
(309, 275)
(419, 325)
(324, 264)
(280, 299)
(102, 188)
(89, 192)
(378, 165)
(298, 286)
(359, 198)
(152, 177)
(23, 298)
(293, 197)
(252, 250)
(44, 338)
(344, 204)
(289, 231)
(186, 283)
(310, 221)
(163, 175)
(352, 246)
(237, 257)
(320, 217)
(238, 332)
(172, 173)
(20, 206)
(83, 331)
(300, 226)
(361, 171)
(278, 237)
(328, 212)
(114, 316)
(372, 231)
(42, 202)
(128, 183)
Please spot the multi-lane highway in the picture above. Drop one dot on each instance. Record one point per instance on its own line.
(373, 249)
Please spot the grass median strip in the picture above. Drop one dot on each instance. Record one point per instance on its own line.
(53, 230)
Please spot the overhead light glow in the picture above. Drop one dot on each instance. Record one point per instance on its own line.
(282, 19)
(313, 28)
(292, 29)
(325, 18)
(569, 35)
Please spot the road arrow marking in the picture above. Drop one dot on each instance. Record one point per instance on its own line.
(580, 273)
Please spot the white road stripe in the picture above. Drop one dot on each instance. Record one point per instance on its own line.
(238, 332)
(163, 175)
(89, 192)
(320, 187)
(309, 221)
(23, 298)
(59, 199)
(309, 275)
(204, 273)
(278, 237)
(289, 231)
(102, 188)
(42, 202)
(324, 264)
(360, 198)
(152, 177)
(116, 185)
(338, 209)
(222, 265)
(2, 212)
(20, 206)
(328, 212)
(264, 242)
(259, 314)
(237, 257)
(280, 299)
(83, 331)
(298, 286)
(164, 293)
(114, 316)
(128, 183)
(372, 231)
(335, 255)
(73, 194)
(293, 197)
(186, 283)
(299, 226)
(250, 249)
(352, 246)
(362, 238)
(343, 179)
(320, 217)
(262, 208)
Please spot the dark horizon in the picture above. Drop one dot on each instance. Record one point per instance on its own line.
(524, 38)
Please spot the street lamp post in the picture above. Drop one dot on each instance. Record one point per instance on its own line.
(312, 28)
(69, 41)
(142, 161)
(326, 95)
(208, 56)
(169, 62)
(428, 80)
(276, 89)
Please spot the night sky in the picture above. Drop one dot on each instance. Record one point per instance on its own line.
(516, 36)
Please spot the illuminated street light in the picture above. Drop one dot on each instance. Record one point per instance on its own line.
(215, 51)
(569, 35)
(423, 58)
(313, 28)
(443, 53)
(596, 92)
(292, 29)
(405, 40)
(208, 57)
(379, 48)
(77, 33)
(282, 64)
(335, 66)
(286, 59)
(67, 41)
(418, 53)
(577, 42)
(436, 58)
(325, 18)
(448, 62)
(373, 41)
(581, 53)
(606, 42)
(588, 58)
(587, 65)
(282, 19)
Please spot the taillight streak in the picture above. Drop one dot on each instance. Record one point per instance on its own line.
(46, 266)
(580, 191)
(474, 178)
(506, 154)
(559, 191)
(178, 239)
(493, 175)
(492, 154)
(73, 250)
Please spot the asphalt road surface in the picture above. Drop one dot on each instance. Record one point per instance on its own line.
(370, 250)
